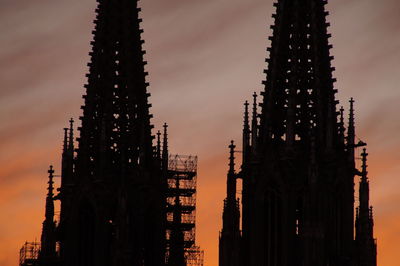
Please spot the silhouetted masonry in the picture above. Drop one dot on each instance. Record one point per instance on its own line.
(298, 160)
(114, 185)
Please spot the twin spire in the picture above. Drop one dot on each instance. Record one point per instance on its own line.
(250, 134)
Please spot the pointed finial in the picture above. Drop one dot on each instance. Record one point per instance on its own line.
(364, 155)
(158, 144)
(232, 147)
(254, 123)
(51, 171)
(351, 130)
(254, 106)
(51, 176)
(165, 144)
(49, 209)
(351, 113)
(246, 115)
(246, 133)
(341, 125)
(65, 143)
(71, 135)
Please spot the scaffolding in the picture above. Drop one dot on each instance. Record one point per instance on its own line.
(194, 256)
(181, 212)
(29, 254)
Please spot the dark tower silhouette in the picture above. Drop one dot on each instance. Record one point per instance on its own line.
(365, 242)
(230, 236)
(298, 166)
(47, 254)
(112, 203)
(116, 186)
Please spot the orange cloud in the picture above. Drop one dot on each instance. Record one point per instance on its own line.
(205, 59)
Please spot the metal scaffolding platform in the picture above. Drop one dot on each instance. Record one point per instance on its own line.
(181, 212)
(29, 254)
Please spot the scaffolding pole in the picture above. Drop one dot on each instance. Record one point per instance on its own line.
(181, 212)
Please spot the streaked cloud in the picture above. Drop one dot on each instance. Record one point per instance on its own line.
(205, 59)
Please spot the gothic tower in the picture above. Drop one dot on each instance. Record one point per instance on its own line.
(112, 190)
(365, 242)
(298, 166)
(123, 201)
(48, 255)
(230, 236)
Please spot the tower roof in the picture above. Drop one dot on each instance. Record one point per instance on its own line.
(299, 93)
(116, 125)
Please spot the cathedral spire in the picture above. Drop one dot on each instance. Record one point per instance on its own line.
(165, 147)
(351, 131)
(254, 123)
(158, 149)
(67, 157)
(246, 132)
(116, 120)
(71, 136)
(364, 172)
(299, 89)
(364, 187)
(341, 125)
(231, 179)
(229, 241)
(232, 157)
(298, 190)
(65, 142)
(366, 244)
(50, 196)
(115, 147)
(48, 240)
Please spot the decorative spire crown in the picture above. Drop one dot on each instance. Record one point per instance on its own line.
(299, 91)
(116, 127)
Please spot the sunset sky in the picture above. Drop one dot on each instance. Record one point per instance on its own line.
(206, 57)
